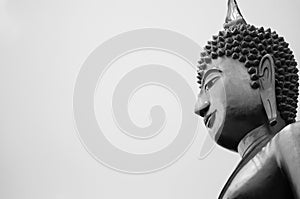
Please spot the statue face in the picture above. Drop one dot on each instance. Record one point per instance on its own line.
(228, 104)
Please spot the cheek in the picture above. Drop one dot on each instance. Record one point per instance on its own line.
(218, 105)
(218, 96)
(240, 97)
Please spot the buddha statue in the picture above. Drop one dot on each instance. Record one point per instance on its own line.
(248, 98)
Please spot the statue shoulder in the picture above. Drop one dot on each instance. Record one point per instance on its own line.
(291, 131)
(287, 154)
(287, 143)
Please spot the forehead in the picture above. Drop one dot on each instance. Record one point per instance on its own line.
(228, 66)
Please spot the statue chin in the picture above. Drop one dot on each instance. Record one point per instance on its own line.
(216, 128)
(232, 128)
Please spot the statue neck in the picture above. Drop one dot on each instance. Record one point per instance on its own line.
(258, 137)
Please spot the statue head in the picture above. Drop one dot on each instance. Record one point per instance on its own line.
(248, 78)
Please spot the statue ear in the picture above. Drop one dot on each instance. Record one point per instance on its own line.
(266, 72)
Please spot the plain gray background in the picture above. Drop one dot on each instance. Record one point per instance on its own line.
(43, 45)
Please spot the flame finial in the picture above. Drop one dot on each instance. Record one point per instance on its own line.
(234, 15)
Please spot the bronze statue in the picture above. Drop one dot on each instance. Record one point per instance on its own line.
(248, 99)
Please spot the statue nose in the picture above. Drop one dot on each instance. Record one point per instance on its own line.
(201, 107)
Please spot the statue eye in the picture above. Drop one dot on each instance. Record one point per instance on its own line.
(210, 83)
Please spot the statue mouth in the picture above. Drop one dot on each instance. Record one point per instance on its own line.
(210, 119)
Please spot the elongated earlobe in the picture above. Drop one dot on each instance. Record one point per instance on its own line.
(266, 72)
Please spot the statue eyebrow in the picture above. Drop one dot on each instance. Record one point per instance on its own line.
(213, 70)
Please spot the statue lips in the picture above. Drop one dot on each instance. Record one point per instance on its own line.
(209, 119)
